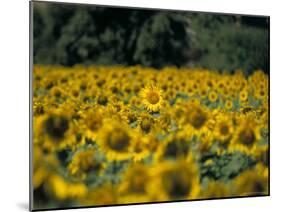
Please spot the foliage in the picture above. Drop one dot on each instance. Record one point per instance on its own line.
(69, 35)
(88, 35)
(228, 44)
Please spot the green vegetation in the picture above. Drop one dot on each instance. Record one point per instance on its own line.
(79, 34)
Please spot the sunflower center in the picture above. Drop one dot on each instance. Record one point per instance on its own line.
(198, 120)
(94, 122)
(138, 148)
(145, 125)
(224, 130)
(153, 97)
(119, 141)
(176, 149)
(176, 186)
(247, 137)
(262, 93)
(258, 186)
(56, 126)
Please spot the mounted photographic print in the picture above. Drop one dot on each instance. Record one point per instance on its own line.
(137, 105)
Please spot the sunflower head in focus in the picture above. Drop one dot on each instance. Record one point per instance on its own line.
(152, 98)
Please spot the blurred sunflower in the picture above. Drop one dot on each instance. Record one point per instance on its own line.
(84, 162)
(54, 130)
(134, 184)
(115, 140)
(92, 121)
(197, 116)
(246, 136)
(213, 96)
(215, 190)
(176, 147)
(252, 182)
(140, 147)
(63, 190)
(146, 123)
(174, 181)
(105, 194)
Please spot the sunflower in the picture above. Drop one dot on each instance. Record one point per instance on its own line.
(146, 123)
(140, 147)
(54, 130)
(205, 142)
(152, 98)
(102, 99)
(56, 92)
(74, 92)
(252, 182)
(203, 92)
(174, 181)
(133, 187)
(92, 121)
(176, 147)
(243, 95)
(84, 162)
(105, 194)
(196, 116)
(115, 140)
(43, 166)
(261, 94)
(246, 136)
(131, 116)
(223, 128)
(262, 155)
(165, 121)
(135, 101)
(190, 90)
(215, 189)
(213, 96)
(228, 104)
(62, 190)
(39, 108)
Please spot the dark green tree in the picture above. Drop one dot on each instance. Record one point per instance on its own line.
(69, 35)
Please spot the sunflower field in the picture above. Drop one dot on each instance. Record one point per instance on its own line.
(107, 135)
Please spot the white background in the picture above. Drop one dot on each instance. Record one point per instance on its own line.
(14, 92)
